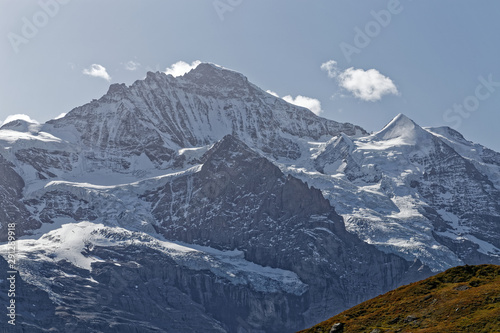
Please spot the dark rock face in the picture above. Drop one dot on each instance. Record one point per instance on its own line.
(280, 222)
(236, 179)
(62, 204)
(42, 160)
(467, 250)
(29, 300)
(474, 197)
(12, 210)
(174, 299)
(137, 296)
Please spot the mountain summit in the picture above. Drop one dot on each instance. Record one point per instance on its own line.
(402, 128)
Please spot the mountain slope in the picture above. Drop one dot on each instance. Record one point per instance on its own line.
(462, 299)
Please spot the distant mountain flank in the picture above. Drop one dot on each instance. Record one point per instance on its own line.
(462, 299)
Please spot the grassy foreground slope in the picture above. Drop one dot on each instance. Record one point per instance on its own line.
(461, 299)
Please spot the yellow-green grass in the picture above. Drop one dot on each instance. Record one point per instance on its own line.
(462, 299)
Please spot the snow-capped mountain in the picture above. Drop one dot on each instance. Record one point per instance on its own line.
(162, 114)
(203, 203)
(415, 194)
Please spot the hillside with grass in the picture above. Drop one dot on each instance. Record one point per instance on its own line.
(461, 299)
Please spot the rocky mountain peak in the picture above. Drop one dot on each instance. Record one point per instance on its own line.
(212, 79)
(209, 71)
(228, 150)
(116, 88)
(20, 125)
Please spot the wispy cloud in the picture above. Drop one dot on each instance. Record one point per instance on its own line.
(331, 68)
(311, 103)
(61, 115)
(368, 85)
(181, 68)
(307, 102)
(272, 93)
(97, 71)
(132, 65)
(20, 116)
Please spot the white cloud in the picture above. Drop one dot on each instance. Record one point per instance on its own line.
(181, 68)
(367, 85)
(62, 115)
(21, 116)
(331, 68)
(272, 93)
(311, 103)
(97, 71)
(132, 65)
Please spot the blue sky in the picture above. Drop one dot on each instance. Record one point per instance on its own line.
(438, 62)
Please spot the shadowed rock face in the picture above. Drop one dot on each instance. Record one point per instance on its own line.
(137, 296)
(28, 300)
(12, 210)
(474, 196)
(240, 200)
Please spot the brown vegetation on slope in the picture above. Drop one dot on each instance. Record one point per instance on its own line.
(461, 299)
